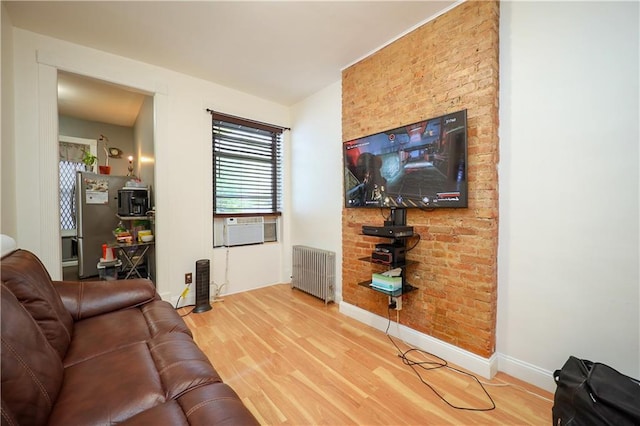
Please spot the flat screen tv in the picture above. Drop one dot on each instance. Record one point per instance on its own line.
(420, 165)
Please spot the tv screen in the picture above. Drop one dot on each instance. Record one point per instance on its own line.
(421, 165)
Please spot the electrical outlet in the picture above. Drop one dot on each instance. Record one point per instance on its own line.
(188, 278)
(397, 300)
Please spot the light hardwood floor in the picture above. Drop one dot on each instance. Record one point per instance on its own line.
(295, 361)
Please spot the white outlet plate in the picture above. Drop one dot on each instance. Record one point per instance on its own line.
(398, 300)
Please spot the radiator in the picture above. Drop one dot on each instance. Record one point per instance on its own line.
(314, 272)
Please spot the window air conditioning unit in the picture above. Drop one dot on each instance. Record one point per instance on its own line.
(239, 231)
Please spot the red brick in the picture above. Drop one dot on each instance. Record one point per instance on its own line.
(450, 63)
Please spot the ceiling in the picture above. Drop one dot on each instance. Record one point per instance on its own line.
(94, 100)
(282, 51)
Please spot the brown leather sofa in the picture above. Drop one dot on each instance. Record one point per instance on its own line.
(102, 352)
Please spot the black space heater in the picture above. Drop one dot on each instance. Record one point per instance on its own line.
(202, 286)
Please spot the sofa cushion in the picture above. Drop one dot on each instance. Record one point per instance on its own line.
(29, 281)
(215, 404)
(131, 380)
(108, 332)
(181, 364)
(161, 318)
(169, 413)
(31, 369)
(85, 299)
(109, 388)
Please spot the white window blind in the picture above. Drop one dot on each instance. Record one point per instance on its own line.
(247, 166)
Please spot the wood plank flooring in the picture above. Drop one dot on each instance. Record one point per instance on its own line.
(295, 361)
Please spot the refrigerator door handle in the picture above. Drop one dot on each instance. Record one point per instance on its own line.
(78, 207)
(80, 257)
(73, 203)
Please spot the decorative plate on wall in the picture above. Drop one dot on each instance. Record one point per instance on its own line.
(115, 153)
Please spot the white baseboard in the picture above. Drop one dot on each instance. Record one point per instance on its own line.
(190, 299)
(485, 367)
(528, 372)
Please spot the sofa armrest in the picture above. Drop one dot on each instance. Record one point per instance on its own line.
(84, 299)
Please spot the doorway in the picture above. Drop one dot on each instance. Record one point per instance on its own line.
(120, 121)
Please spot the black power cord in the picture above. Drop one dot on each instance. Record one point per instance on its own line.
(432, 365)
(416, 243)
(184, 315)
(178, 301)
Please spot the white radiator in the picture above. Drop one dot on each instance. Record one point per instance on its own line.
(314, 272)
(240, 231)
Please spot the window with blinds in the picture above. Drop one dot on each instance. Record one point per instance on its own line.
(247, 166)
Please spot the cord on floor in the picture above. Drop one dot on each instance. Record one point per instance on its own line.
(432, 365)
(178, 302)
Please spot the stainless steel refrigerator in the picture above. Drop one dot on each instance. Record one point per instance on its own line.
(96, 214)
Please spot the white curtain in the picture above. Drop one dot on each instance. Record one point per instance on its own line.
(72, 152)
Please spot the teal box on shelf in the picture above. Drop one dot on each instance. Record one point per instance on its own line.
(385, 282)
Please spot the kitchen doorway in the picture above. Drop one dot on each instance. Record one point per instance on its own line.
(120, 120)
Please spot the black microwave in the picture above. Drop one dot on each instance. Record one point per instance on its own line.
(133, 202)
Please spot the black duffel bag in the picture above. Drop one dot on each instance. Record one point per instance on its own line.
(591, 393)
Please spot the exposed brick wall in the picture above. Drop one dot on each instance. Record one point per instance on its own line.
(448, 64)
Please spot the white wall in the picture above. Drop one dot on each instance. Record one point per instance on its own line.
(569, 239)
(182, 135)
(8, 214)
(316, 174)
(143, 154)
(119, 137)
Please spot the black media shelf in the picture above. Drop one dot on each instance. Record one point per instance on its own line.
(406, 288)
(399, 221)
(389, 265)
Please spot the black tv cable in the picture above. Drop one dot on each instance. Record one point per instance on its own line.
(432, 365)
